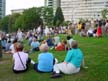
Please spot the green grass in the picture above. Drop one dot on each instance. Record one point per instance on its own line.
(96, 57)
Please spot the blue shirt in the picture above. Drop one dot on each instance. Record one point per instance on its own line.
(74, 56)
(50, 42)
(35, 44)
(45, 62)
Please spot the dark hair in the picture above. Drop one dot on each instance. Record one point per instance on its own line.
(19, 47)
(69, 37)
(15, 40)
(65, 42)
(9, 41)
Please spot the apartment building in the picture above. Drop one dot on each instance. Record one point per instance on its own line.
(86, 9)
(2, 8)
(20, 11)
(48, 3)
(56, 3)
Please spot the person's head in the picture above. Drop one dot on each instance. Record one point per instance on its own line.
(44, 41)
(34, 39)
(15, 40)
(69, 37)
(44, 48)
(64, 42)
(74, 44)
(106, 21)
(19, 47)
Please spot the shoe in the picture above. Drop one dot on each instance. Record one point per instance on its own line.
(53, 73)
(56, 75)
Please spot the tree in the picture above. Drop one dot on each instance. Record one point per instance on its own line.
(58, 18)
(48, 16)
(11, 22)
(7, 23)
(104, 13)
(29, 19)
(4, 23)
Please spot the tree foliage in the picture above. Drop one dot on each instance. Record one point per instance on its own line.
(104, 13)
(4, 23)
(7, 23)
(59, 17)
(48, 16)
(29, 19)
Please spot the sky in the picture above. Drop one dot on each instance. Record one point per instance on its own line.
(22, 4)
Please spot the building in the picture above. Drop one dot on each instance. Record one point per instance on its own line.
(48, 3)
(86, 9)
(20, 11)
(56, 3)
(2, 8)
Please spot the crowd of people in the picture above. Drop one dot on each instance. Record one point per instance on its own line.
(48, 39)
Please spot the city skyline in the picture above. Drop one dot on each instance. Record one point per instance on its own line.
(22, 4)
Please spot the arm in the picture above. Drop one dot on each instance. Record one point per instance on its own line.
(83, 64)
(68, 56)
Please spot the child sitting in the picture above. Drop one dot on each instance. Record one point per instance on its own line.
(35, 45)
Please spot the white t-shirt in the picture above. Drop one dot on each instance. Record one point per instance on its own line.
(70, 42)
(57, 40)
(17, 62)
(12, 48)
(20, 35)
(90, 31)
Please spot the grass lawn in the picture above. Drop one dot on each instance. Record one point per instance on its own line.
(96, 57)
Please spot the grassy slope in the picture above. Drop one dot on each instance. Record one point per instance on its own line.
(96, 56)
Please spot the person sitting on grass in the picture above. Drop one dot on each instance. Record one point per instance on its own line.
(12, 47)
(20, 60)
(69, 42)
(50, 42)
(35, 45)
(45, 60)
(72, 62)
(62, 46)
(56, 39)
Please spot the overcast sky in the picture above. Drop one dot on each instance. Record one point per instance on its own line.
(20, 4)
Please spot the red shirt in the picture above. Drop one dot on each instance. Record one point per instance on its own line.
(60, 47)
(99, 31)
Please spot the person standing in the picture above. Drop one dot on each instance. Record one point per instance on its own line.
(19, 35)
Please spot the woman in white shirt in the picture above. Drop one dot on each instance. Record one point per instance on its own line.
(21, 60)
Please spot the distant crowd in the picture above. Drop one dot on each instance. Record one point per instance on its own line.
(45, 39)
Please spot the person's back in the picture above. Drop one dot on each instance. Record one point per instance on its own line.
(17, 62)
(50, 42)
(35, 44)
(45, 62)
(77, 57)
(20, 60)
